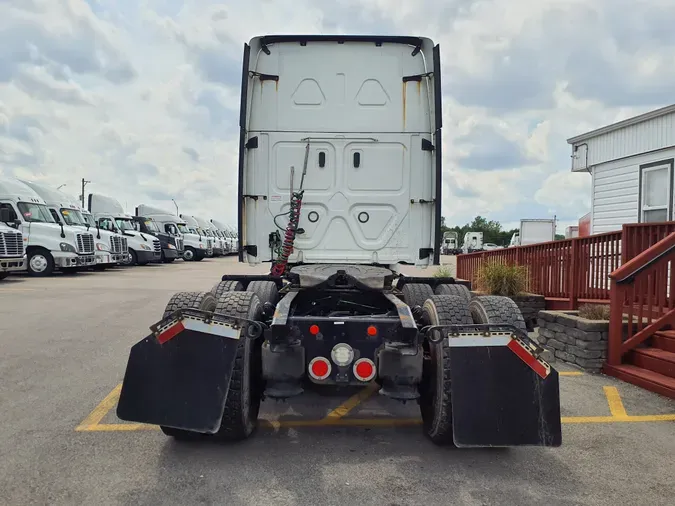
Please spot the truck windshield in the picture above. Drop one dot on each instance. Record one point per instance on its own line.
(73, 217)
(152, 226)
(37, 213)
(125, 224)
(89, 219)
(183, 229)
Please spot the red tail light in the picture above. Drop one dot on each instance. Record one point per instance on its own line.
(314, 330)
(364, 369)
(319, 368)
(372, 330)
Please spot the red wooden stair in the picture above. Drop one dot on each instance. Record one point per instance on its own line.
(644, 290)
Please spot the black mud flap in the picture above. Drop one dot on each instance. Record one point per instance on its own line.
(179, 376)
(501, 393)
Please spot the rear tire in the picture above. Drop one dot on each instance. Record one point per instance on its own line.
(415, 294)
(204, 301)
(246, 386)
(454, 289)
(435, 388)
(265, 290)
(226, 286)
(497, 310)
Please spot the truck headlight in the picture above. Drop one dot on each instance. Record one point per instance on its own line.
(101, 246)
(145, 246)
(68, 247)
(171, 246)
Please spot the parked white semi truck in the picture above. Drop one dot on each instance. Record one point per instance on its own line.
(226, 234)
(110, 248)
(12, 249)
(172, 244)
(193, 227)
(351, 125)
(49, 245)
(208, 229)
(194, 245)
(109, 214)
(473, 241)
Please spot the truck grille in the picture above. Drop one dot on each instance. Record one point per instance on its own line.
(125, 246)
(179, 243)
(85, 243)
(11, 244)
(209, 243)
(157, 246)
(116, 244)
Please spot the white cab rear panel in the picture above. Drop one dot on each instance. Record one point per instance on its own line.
(368, 108)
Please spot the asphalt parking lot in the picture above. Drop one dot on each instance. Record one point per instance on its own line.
(64, 343)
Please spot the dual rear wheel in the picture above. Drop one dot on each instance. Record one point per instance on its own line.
(245, 393)
(450, 305)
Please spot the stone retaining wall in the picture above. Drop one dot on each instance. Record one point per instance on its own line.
(573, 339)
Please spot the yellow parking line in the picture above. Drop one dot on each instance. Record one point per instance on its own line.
(352, 402)
(101, 410)
(615, 403)
(570, 373)
(336, 417)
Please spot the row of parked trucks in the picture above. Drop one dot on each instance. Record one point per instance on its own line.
(531, 231)
(43, 230)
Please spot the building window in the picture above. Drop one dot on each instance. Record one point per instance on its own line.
(656, 192)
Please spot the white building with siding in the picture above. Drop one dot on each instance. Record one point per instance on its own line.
(631, 165)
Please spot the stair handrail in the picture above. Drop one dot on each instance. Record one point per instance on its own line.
(627, 272)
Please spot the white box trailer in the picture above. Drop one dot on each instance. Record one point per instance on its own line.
(536, 231)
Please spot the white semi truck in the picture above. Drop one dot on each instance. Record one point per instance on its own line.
(194, 244)
(109, 214)
(340, 135)
(208, 228)
(473, 241)
(194, 227)
(450, 246)
(226, 234)
(12, 249)
(110, 248)
(49, 245)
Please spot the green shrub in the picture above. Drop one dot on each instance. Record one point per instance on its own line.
(443, 272)
(496, 278)
(594, 311)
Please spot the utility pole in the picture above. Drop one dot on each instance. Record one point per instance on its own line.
(84, 183)
(174, 203)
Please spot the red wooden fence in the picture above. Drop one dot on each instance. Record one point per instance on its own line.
(572, 271)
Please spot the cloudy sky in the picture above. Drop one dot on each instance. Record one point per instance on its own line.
(141, 96)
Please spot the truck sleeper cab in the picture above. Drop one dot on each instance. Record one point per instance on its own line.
(12, 250)
(172, 245)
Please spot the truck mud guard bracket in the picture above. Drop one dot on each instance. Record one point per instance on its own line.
(433, 282)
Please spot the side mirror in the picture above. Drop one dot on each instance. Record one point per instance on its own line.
(4, 215)
(17, 222)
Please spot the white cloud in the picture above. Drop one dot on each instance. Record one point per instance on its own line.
(142, 98)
